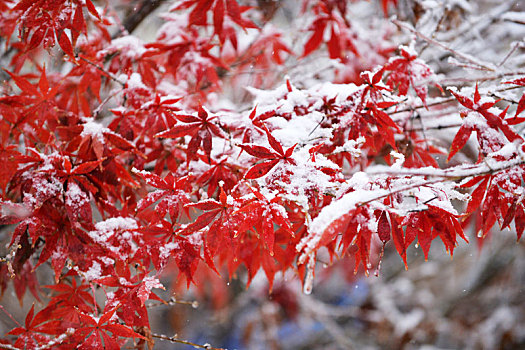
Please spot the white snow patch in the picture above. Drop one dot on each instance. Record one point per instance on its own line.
(93, 129)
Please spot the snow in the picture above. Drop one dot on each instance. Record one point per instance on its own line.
(352, 146)
(134, 81)
(195, 238)
(44, 187)
(48, 160)
(399, 159)
(340, 206)
(478, 122)
(172, 30)
(299, 130)
(75, 197)
(166, 250)
(94, 272)
(408, 322)
(117, 223)
(410, 49)
(508, 150)
(57, 340)
(151, 282)
(116, 234)
(106, 260)
(514, 16)
(124, 281)
(128, 46)
(296, 181)
(93, 129)
(369, 188)
(8, 208)
(464, 4)
(359, 185)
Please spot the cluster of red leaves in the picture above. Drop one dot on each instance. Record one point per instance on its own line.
(112, 199)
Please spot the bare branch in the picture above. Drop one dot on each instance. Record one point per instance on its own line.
(174, 339)
(465, 57)
(142, 11)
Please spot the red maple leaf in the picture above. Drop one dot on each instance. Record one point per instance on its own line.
(102, 332)
(200, 127)
(494, 121)
(221, 8)
(521, 104)
(272, 158)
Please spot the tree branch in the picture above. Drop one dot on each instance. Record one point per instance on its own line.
(465, 57)
(174, 339)
(142, 11)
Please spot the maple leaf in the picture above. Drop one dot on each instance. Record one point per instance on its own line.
(272, 158)
(25, 279)
(10, 158)
(318, 28)
(407, 70)
(29, 336)
(170, 197)
(39, 20)
(374, 86)
(217, 217)
(70, 296)
(199, 127)
(267, 49)
(383, 120)
(521, 104)
(223, 171)
(12, 213)
(493, 121)
(340, 37)
(103, 331)
(401, 240)
(430, 224)
(187, 258)
(262, 214)
(40, 98)
(383, 227)
(146, 286)
(198, 16)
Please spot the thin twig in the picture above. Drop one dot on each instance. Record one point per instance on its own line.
(10, 316)
(399, 190)
(106, 73)
(496, 96)
(514, 21)
(410, 109)
(444, 174)
(440, 44)
(450, 100)
(438, 177)
(477, 79)
(511, 51)
(194, 304)
(174, 339)
(139, 13)
(437, 127)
